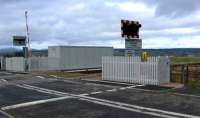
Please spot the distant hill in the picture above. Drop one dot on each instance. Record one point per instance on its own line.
(117, 52)
(163, 52)
(174, 52)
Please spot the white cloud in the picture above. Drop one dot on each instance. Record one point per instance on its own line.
(133, 7)
(109, 34)
(180, 30)
(164, 42)
(95, 22)
(75, 7)
(45, 44)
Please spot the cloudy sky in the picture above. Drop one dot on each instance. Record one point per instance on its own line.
(165, 23)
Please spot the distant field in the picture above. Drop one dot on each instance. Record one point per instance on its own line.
(180, 60)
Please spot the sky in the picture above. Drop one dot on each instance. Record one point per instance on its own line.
(165, 23)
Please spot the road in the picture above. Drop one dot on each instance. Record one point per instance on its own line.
(36, 96)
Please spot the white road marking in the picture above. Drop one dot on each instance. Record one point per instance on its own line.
(187, 95)
(125, 106)
(123, 88)
(35, 103)
(54, 76)
(84, 94)
(41, 77)
(6, 114)
(43, 90)
(142, 109)
(112, 90)
(129, 87)
(133, 86)
(96, 92)
(3, 80)
(129, 109)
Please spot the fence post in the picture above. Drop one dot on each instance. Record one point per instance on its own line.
(186, 73)
(171, 73)
(182, 74)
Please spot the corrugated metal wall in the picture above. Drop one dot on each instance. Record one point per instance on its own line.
(131, 69)
(76, 57)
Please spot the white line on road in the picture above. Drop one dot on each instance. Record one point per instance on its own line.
(54, 76)
(84, 94)
(43, 90)
(134, 86)
(111, 90)
(41, 77)
(3, 80)
(96, 92)
(6, 114)
(120, 105)
(123, 88)
(35, 103)
(129, 109)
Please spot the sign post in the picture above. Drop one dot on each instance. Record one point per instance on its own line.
(130, 31)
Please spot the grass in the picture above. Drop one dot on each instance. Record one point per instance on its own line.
(195, 85)
(186, 59)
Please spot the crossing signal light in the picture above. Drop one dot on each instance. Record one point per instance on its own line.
(130, 29)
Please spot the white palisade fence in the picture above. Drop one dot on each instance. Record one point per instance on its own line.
(155, 71)
(15, 64)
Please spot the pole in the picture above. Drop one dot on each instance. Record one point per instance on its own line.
(27, 31)
(28, 40)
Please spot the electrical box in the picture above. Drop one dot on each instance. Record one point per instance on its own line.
(145, 56)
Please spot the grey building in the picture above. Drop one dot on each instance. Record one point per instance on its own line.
(76, 57)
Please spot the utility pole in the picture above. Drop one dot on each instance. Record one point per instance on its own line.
(27, 33)
(27, 47)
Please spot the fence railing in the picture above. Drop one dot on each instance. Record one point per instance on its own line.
(131, 69)
(185, 73)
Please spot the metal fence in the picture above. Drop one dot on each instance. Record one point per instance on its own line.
(15, 64)
(38, 63)
(155, 71)
(35, 64)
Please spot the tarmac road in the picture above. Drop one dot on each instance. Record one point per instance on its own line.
(31, 96)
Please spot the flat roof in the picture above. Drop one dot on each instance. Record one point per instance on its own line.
(80, 46)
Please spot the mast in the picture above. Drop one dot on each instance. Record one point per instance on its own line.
(28, 34)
